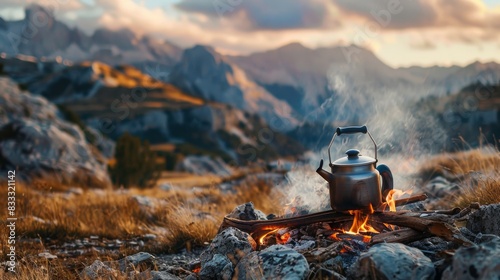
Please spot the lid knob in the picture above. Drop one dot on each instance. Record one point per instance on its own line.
(352, 154)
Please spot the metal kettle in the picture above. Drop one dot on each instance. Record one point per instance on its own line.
(356, 182)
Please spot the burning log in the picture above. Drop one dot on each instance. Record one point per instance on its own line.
(417, 225)
(411, 199)
(428, 224)
(260, 228)
(326, 216)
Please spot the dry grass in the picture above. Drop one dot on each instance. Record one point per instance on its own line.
(476, 171)
(460, 164)
(190, 216)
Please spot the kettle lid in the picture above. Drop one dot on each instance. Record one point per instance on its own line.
(354, 158)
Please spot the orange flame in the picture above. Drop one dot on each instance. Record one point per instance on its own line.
(392, 196)
(359, 224)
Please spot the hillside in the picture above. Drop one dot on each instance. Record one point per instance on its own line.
(471, 116)
(121, 99)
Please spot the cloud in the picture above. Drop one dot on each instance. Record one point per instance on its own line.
(423, 13)
(423, 45)
(57, 6)
(266, 15)
(391, 14)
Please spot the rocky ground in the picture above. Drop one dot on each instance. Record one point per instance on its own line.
(233, 254)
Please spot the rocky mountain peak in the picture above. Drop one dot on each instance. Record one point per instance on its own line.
(202, 55)
(123, 38)
(38, 14)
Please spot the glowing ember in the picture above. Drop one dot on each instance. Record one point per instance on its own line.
(280, 238)
(197, 270)
(285, 237)
(263, 238)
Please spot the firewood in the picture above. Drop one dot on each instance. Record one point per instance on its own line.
(438, 228)
(411, 199)
(453, 211)
(406, 235)
(422, 224)
(259, 228)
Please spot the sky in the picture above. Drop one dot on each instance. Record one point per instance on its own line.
(399, 32)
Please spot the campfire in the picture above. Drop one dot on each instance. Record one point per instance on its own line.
(384, 224)
(365, 211)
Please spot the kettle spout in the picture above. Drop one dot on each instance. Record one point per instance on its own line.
(323, 173)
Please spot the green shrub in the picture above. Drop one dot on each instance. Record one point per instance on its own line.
(135, 163)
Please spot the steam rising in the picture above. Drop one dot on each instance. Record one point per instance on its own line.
(403, 134)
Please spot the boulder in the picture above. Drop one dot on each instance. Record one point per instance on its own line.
(440, 187)
(37, 142)
(247, 212)
(98, 270)
(393, 261)
(135, 260)
(277, 261)
(476, 262)
(219, 267)
(232, 244)
(485, 220)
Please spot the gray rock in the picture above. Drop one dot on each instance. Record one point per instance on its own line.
(393, 261)
(129, 263)
(203, 165)
(277, 261)
(133, 261)
(247, 212)
(38, 142)
(149, 236)
(485, 220)
(98, 270)
(430, 246)
(476, 262)
(440, 187)
(47, 255)
(145, 201)
(163, 275)
(219, 267)
(304, 245)
(324, 273)
(230, 243)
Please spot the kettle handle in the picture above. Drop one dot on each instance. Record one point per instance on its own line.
(350, 130)
(387, 180)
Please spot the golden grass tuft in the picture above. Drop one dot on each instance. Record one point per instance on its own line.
(476, 171)
(485, 191)
(460, 164)
(191, 217)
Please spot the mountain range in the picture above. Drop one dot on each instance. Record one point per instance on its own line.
(287, 99)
